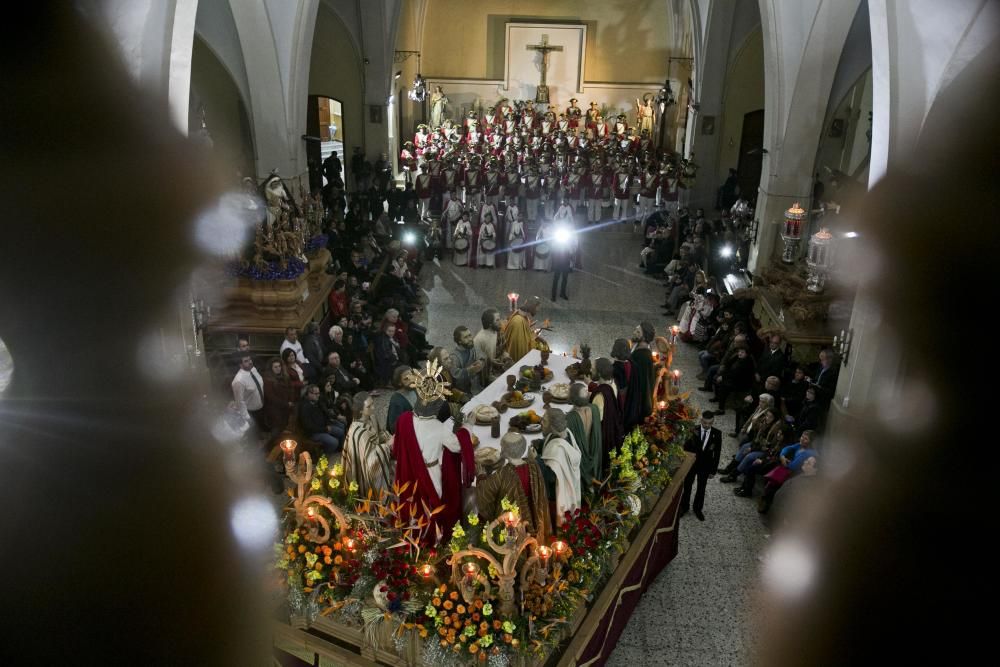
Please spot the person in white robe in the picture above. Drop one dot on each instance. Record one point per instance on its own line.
(542, 257)
(487, 242)
(561, 458)
(516, 256)
(462, 241)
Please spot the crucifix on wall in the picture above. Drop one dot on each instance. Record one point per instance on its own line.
(542, 94)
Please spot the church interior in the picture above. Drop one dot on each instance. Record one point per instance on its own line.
(329, 331)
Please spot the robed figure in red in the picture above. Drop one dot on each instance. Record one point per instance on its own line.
(436, 460)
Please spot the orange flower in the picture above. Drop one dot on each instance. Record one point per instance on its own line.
(482, 632)
(338, 560)
(436, 602)
(423, 631)
(484, 626)
(327, 560)
(473, 647)
(475, 618)
(338, 546)
(448, 604)
(457, 624)
(497, 625)
(443, 631)
(443, 588)
(482, 656)
(302, 548)
(327, 550)
(507, 637)
(444, 642)
(479, 603)
(454, 595)
(460, 609)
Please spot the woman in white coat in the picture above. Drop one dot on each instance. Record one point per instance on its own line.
(516, 255)
(543, 249)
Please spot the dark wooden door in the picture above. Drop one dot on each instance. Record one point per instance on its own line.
(751, 154)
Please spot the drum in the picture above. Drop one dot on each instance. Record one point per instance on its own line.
(489, 244)
(542, 249)
(461, 244)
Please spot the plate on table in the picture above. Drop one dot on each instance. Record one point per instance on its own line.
(529, 372)
(559, 392)
(485, 414)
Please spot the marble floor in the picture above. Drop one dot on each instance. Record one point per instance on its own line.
(698, 611)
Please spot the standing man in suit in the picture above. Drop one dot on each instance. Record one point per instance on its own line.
(561, 260)
(706, 444)
(825, 383)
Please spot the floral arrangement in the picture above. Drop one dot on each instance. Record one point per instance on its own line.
(288, 269)
(467, 628)
(374, 574)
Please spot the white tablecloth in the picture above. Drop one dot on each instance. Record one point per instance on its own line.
(557, 364)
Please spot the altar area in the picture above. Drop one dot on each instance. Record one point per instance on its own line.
(574, 593)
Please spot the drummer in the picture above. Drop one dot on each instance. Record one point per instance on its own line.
(461, 241)
(542, 261)
(487, 241)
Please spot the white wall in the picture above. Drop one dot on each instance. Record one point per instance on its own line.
(216, 27)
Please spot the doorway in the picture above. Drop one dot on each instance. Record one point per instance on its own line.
(326, 121)
(751, 154)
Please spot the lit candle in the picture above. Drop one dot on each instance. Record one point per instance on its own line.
(512, 297)
(662, 405)
(288, 447)
(544, 552)
(311, 513)
(426, 571)
(656, 356)
(471, 570)
(677, 378)
(510, 519)
(349, 544)
(559, 547)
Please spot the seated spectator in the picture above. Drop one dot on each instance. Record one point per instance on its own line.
(748, 430)
(772, 386)
(338, 299)
(793, 394)
(792, 491)
(810, 414)
(769, 435)
(739, 340)
(331, 404)
(343, 381)
(312, 346)
(791, 459)
(387, 354)
(763, 456)
(279, 397)
(296, 376)
(315, 425)
(292, 342)
(773, 361)
(736, 378)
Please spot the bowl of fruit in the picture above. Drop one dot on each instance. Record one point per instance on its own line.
(527, 422)
(518, 399)
(532, 373)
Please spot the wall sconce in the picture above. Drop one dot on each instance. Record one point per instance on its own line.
(842, 344)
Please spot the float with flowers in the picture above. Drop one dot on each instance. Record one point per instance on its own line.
(360, 586)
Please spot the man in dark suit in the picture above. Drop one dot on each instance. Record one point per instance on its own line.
(825, 382)
(772, 361)
(706, 444)
(562, 256)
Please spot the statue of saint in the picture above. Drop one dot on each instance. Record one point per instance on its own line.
(520, 481)
(367, 450)
(439, 103)
(436, 460)
(560, 463)
(584, 422)
(644, 114)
